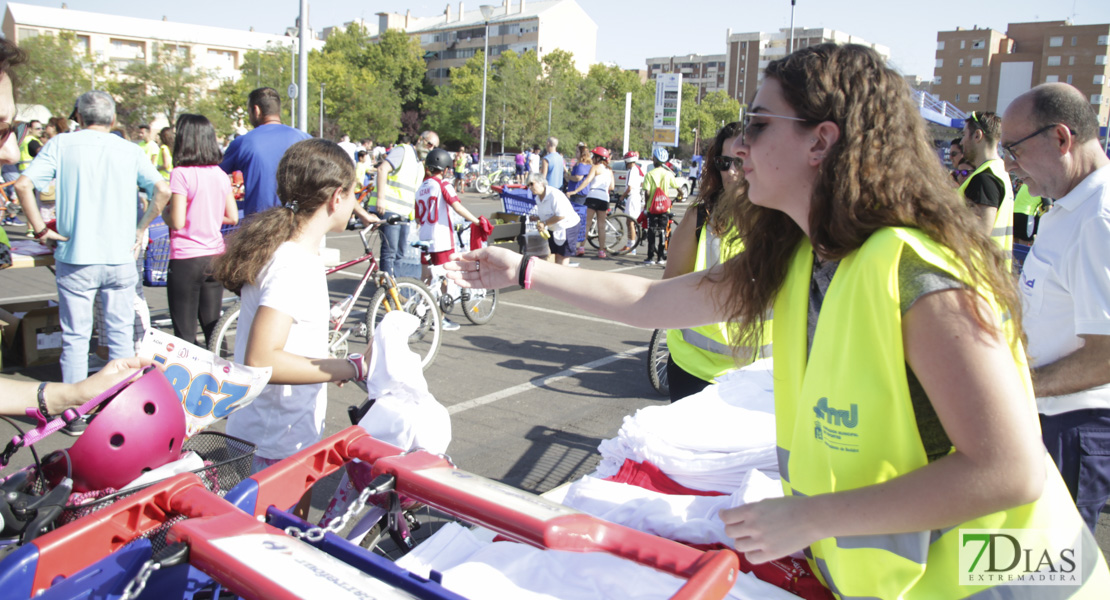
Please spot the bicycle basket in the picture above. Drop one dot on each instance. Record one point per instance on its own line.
(227, 462)
(518, 201)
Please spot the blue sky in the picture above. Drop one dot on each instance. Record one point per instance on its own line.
(630, 31)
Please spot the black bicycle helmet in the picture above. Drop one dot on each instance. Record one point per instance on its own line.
(438, 160)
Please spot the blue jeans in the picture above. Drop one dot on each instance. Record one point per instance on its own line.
(78, 286)
(1079, 444)
(394, 241)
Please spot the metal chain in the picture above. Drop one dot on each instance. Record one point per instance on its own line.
(136, 585)
(315, 534)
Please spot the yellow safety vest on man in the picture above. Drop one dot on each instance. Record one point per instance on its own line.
(25, 157)
(398, 195)
(165, 165)
(150, 150)
(1026, 203)
(845, 421)
(1003, 230)
(706, 351)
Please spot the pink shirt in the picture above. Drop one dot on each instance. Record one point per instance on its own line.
(206, 189)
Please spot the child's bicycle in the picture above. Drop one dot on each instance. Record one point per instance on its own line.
(401, 293)
(484, 183)
(657, 358)
(478, 304)
(622, 232)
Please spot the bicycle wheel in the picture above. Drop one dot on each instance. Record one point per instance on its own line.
(417, 300)
(482, 184)
(222, 343)
(479, 305)
(616, 233)
(657, 362)
(637, 235)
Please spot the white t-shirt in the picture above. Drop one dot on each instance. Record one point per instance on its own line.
(556, 203)
(285, 419)
(1065, 284)
(599, 185)
(433, 215)
(350, 148)
(534, 162)
(634, 204)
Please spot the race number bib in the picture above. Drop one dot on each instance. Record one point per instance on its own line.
(210, 387)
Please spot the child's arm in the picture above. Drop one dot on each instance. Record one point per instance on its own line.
(266, 348)
(461, 210)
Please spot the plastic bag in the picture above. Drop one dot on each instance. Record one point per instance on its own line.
(404, 414)
(211, 388)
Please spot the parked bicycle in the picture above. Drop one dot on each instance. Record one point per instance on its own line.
(401, 293)
(484, 183)
(622, 232)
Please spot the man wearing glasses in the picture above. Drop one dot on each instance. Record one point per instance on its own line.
(1050, 140)
(988, 189)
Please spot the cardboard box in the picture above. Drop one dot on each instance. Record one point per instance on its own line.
(31, 332)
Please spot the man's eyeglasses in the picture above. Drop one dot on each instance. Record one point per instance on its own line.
(749, 131)
(1008, 149)
(724, 163)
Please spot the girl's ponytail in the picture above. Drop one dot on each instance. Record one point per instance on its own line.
(309, 173)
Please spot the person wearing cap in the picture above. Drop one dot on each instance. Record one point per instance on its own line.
(96, 235)
(598, 184)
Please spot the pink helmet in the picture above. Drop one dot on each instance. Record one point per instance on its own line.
(631, 154)
(140, 429)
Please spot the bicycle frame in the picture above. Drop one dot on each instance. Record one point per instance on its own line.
(372, 272)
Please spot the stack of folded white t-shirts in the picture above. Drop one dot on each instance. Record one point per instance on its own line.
(479, 569)
(708, 441)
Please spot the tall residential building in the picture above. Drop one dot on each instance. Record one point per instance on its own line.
(984, 69)
(706, 71)
(449, 39)
(120, 40)
(748, 54)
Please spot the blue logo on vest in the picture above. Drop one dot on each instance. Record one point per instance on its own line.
(847, 418)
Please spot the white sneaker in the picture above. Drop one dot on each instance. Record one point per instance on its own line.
(648, 262)
(661, 263)
(572, 265)
(449, 325)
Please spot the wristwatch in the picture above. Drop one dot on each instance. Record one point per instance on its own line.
(358, 361)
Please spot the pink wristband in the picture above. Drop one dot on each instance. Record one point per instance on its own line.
(528, 273)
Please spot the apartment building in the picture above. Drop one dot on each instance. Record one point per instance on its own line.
(706, 71)
(748, 54)
(451, 38)
(984, 69)
(121, 41)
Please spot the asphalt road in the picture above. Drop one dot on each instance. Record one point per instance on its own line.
(531, 394)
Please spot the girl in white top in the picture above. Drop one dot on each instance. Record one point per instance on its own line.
(599, 182)
(274, 263)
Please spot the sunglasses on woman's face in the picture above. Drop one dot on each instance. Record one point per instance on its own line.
(962, 172)
(19, 128)
(724, 163)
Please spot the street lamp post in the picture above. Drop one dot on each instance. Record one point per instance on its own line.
(791, 27)
(487, 13)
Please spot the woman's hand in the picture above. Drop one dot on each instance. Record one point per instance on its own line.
(489, 268)
(769, 529)
(79, 393)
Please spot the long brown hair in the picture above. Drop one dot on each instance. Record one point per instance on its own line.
(307, 176)
(712, 185)
(881, 172)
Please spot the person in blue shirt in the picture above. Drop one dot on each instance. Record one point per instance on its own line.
(258, 153)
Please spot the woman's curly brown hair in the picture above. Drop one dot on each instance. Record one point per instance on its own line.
(881, 172)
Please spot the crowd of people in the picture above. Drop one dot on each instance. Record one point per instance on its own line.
(918, 381)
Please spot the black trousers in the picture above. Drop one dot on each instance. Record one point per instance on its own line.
(194, 296)
(682, 383)
(656, 236)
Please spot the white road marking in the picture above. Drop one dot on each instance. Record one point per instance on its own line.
(552, 311)
(542, 381)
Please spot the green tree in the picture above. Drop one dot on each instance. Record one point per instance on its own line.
(168, 85)
(398, 61)
(356, 101)
(54, 74)
(716, 110)
(455, 112)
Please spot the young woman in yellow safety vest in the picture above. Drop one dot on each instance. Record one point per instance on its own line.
(906, 427)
